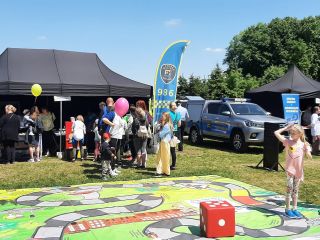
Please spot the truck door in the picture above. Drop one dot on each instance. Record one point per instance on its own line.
(222, 121)
(208, 117)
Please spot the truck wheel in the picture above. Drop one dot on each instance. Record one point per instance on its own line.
(238, 142)
(194, 136)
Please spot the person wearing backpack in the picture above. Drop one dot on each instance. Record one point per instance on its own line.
(140, 131)
(34, 130)
(176, 121)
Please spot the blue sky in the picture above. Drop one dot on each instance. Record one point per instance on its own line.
(129, 36)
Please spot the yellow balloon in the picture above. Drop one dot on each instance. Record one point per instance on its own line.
(36, 90)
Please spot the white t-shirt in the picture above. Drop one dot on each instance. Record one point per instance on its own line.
(118, 130)
(315, 125)
(183, 113)
(79, 129)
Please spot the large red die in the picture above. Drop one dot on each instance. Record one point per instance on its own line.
(217, 219)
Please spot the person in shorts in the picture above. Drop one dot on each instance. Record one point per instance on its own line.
(34, 129)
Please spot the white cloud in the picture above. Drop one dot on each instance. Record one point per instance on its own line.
(172, 22)
(42, 38)
(214, 50)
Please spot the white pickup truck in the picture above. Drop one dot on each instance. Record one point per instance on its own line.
(234, 120)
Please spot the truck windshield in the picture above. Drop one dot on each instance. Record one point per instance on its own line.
(248, 109)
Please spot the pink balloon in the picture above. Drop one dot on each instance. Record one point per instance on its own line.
(121, 106)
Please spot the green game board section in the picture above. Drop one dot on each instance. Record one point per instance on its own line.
(21, 222)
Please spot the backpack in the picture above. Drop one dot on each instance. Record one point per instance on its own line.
(141, 128)
(142, 132)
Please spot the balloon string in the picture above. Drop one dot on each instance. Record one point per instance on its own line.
(35, 100)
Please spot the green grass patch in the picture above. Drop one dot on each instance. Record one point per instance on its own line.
(211, 158)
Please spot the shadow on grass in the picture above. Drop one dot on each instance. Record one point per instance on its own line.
(94, 176)
(147, 173)
(265, 169)
(90, 164)
(225, 146)
(92, 170)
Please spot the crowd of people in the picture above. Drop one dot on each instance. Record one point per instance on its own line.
(37, 127)
(124, 140)
(117, 140)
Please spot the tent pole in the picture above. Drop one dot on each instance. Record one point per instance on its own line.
(60, 125)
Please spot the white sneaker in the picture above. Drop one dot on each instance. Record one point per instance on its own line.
(31, 160)
(47, 154)
(37, 160)
(113, 173)
(116, 170)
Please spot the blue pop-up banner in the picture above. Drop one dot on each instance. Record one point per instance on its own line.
(291, 107)
(165, 83)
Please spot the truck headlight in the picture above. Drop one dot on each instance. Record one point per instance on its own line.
(253, 124)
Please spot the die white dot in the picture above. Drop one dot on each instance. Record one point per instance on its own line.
(212, 205)
(221, 222)
(217, 204)
(204, 227)
(225, 205)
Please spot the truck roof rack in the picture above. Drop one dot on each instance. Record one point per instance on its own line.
(236, 99)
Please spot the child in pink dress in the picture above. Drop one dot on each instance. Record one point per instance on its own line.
(296, 147)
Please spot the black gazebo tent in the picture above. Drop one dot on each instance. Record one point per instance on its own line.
(63, 73)
(83, 76)
(294, 81)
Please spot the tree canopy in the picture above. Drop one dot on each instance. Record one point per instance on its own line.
(260, 54)
(280, 43)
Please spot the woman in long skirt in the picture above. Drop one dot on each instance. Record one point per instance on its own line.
(163, 155)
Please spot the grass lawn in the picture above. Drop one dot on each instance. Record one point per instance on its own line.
(211, 158)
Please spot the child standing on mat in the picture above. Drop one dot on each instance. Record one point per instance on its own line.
(107, 154)
(296, 147)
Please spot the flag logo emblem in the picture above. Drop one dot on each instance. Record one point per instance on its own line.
(168, 72)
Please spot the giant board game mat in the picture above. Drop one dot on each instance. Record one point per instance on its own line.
(164, 208)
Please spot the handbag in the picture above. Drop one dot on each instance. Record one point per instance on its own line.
(174, 141)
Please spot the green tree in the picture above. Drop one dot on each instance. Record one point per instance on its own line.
(238, 84)
(280, 43)
(272, 73)
(217, 85)
(196, 86)
(183, 87)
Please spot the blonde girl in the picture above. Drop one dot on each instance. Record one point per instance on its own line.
(296, 147)
(78, 131)
(163, 155)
